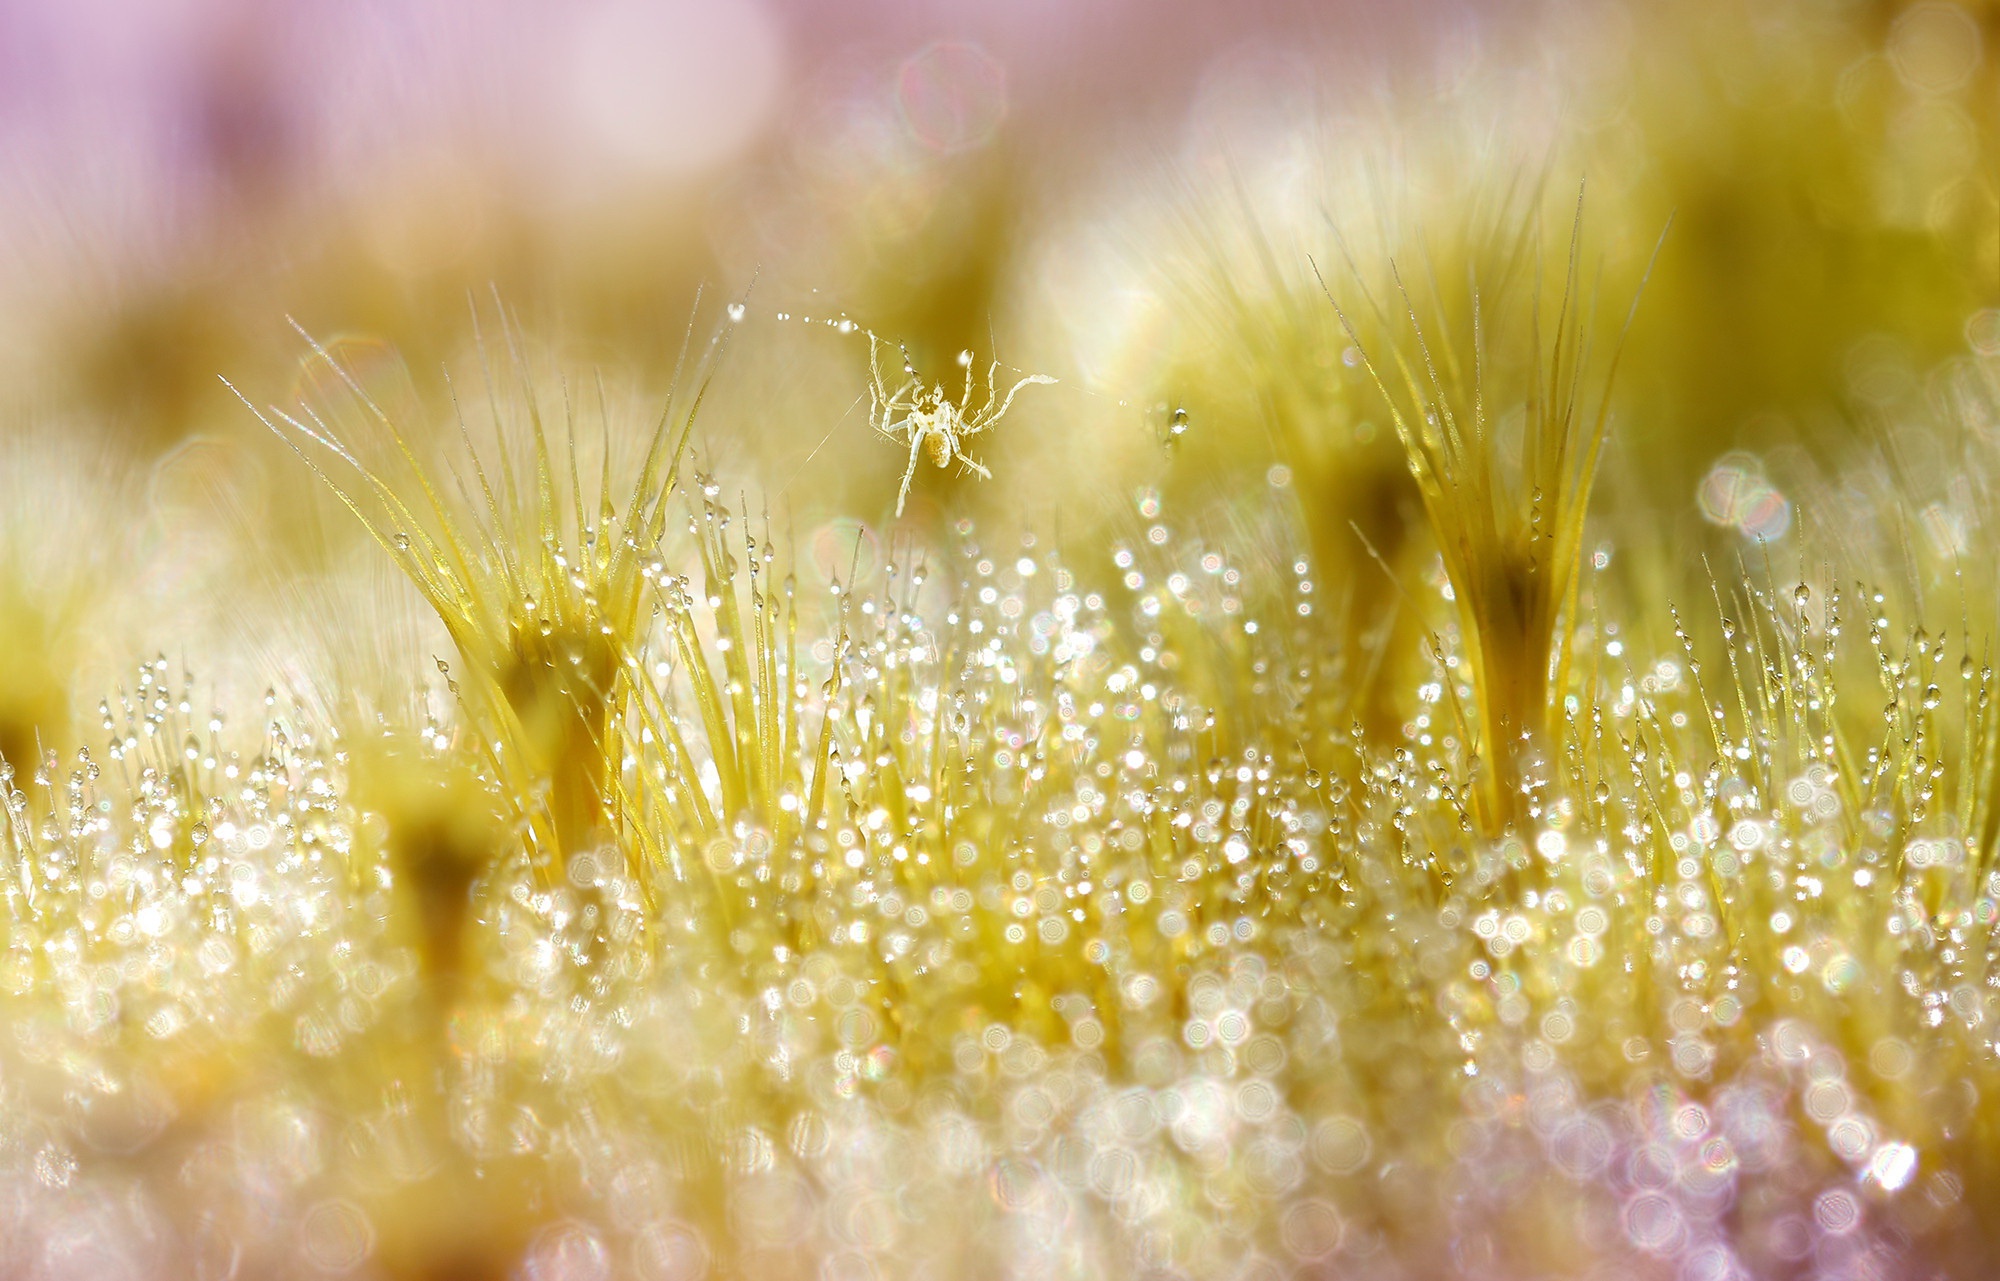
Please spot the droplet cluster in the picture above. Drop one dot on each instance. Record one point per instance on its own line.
(1077, 931)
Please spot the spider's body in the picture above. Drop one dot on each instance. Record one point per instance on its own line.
(929, 420)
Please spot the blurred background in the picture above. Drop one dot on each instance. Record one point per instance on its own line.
(1129, 197)
(182, 177)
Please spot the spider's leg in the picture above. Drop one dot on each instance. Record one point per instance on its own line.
(910, 472)
(978, 469)
(971, 424)
(880, 389)
(904, 399)
(1001, 412)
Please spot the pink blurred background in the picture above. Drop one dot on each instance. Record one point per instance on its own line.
(177, 177)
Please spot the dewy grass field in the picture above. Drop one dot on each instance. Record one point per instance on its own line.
(1451, 732)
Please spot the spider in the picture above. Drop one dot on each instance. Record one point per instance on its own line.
(929, 417)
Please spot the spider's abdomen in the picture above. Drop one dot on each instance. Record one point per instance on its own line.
(939, 443)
